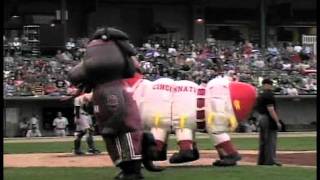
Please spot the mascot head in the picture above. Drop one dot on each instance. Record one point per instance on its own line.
(107, 58)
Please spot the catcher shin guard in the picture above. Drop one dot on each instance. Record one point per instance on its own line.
(149, 152)
(91, 145)
(77, 144)
(188, 149)
(228, 154)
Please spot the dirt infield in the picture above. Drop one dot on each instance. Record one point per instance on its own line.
(198, 135)
(288, 158)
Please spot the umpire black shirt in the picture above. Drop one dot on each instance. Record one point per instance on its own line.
(264, 100)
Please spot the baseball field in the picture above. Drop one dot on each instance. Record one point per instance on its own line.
(52, 159)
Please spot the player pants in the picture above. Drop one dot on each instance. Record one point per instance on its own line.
(89, 139)
(124, 147)
(60, 132)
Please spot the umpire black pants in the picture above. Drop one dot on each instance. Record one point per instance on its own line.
(267, 141)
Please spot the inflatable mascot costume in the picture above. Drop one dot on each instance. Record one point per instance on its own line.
(183, 107)
(106, 63)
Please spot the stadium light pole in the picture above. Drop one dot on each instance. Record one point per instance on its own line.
(262, 23)
(64, 19)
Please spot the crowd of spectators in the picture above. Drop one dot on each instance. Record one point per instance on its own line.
(36, 76)
(292, 67)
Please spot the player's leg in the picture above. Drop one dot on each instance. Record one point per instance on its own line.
(160, 136)
(90, 142)
(188, 150)
(77, 142)
(28, 133)
(38, 133)
(125, 152)
(228, 153)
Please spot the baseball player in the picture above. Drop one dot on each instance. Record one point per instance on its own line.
(34, 130)
(60, 124)
(83, 123)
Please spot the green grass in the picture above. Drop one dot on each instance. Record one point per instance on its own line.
(194, 173)
(284, 143)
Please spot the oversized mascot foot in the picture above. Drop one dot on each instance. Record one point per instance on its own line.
(184, 156)
(160, 155)
(149, 153)
(230, 160)
(121, 176)
(130, 170)
(152, 151)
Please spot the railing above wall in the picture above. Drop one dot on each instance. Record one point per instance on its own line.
(8, 98)
(310, 40)
(41, 98)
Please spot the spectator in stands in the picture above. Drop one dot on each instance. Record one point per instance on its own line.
(16, 46)
(291, 90)
(9, 88)
(18, 78)
(70, 45)
(247, 49)
(289, 48)
(8, 60)
(61, 85)
(310, 86)
(25, 89)
(38, 89)
(51, 89)
(272, 49)
(297, 48)
(65, 56)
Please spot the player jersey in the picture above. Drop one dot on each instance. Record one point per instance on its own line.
(85, 119)
(60, 123)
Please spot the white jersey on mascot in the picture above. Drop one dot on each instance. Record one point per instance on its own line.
(182, 107)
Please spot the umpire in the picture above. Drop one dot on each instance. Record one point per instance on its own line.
(269, 125)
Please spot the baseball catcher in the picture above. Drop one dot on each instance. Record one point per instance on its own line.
(84, 124)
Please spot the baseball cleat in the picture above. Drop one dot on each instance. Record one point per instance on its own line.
(79, 153)
(94, 151)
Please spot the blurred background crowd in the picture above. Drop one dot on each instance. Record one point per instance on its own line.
(291, 66)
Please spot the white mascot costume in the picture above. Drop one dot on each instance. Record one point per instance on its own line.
(184, 107)
(166, 105)
(227, 102)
